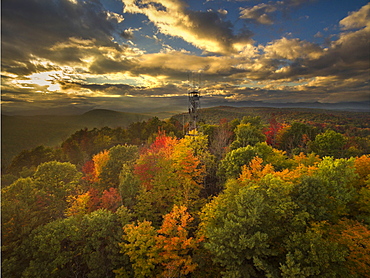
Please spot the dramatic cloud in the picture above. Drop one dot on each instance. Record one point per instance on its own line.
(205, 30)
(138, 54)
(357, 19)
(292, 49)
(263, 13)
(32, 28)
(259, 13)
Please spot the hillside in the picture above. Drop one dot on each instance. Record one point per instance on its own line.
(214, 114)
(25, 132)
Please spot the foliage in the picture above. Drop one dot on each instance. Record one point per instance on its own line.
(100, 160)
(165, 252)
(355, 237)
(278, 208)
(117, 157)
(175, 243)
(86, 247)
(231, 165)
(129, 186)
(169, 174)
(329, 143)
(295, 136)
(245, 226)
(248, 132)
(141, 247)
(272, 132)
(33, 158)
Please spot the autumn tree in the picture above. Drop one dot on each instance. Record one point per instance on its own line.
(355, 237)
(295, 137)
(198, 143)
(140, 245)
(169, 174)
(99, 162)
(245, 227)
(161, 253)
(231, 165)
(88, 170)
(175, 243)
(272, 131)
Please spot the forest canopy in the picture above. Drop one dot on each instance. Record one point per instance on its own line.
(247, 197)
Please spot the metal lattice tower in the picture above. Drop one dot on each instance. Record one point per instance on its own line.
(194, 103)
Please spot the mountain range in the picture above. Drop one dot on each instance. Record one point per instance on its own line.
(21, 132)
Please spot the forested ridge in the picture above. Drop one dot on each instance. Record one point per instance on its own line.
(248, 196)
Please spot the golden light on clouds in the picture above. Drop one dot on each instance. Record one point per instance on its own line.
(101, 52)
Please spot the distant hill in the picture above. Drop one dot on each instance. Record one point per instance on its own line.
(26, 132)
(213, 115)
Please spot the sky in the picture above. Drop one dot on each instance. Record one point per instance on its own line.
(143, 56)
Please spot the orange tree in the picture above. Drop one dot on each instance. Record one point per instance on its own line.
(166, 252)
(169, 173)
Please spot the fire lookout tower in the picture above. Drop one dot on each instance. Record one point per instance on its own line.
(194, 102)
(194, 105)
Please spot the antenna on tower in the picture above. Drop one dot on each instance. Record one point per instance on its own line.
(194, 100)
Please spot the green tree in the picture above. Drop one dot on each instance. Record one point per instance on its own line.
(32, 158)
(118, 156)
(59, 180)
(129, 186)
(275, 224)
(23, 208)
(296, 137)
(245, 226)
(329, 143)
(247, 134)
(84, 246)
(313, 253)
(231, 165)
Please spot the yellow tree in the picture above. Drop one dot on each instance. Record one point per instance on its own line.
(169, 174)
(166, 252)
(100, 160)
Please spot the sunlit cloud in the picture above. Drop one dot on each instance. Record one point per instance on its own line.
(357, 19)
(205, 30)
(259, 13)
(83, 53)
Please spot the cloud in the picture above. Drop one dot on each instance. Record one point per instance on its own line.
(259, 13)
(74, 52)
(357, 19)
(205, 30)
(292, 49)
(263, 13)
(222, 11)
(33, 27)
